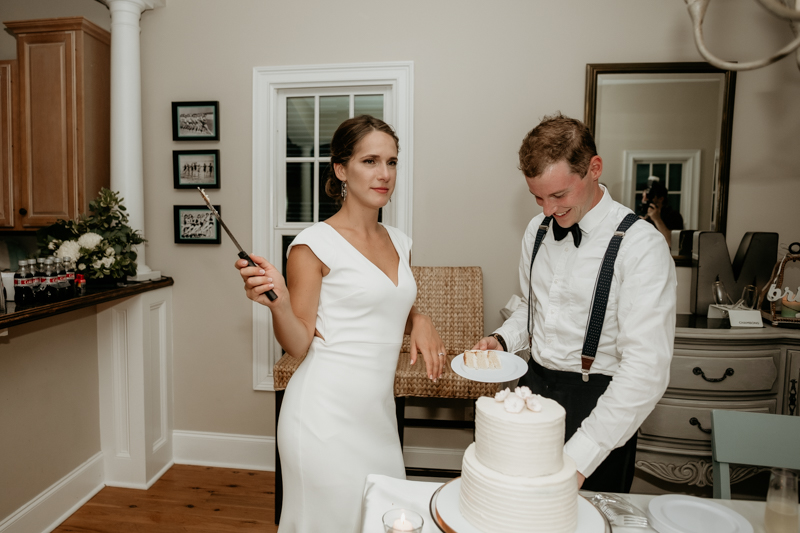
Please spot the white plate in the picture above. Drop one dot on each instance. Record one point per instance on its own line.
(444, 503)
(676, 513)
(513, 368)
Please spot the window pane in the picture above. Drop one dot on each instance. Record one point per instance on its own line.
(638, 199)
(660, 170)
(327, 205)
(369, 104)
(299, 192)
(675, 175)
(333, 110)
(674, 202)
(642, 173)
(300, 127)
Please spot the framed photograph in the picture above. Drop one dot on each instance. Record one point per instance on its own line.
(195, 121)
(195, 168)
(195, 224)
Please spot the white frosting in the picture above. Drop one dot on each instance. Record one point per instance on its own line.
(534, 403)
(514, 404)
(525, 443)
(523, 392)
(502, 395)
(492, 501)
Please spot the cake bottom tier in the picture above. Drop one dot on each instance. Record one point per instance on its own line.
(495, 502)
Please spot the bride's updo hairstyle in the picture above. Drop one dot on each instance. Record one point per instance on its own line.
(344, 144)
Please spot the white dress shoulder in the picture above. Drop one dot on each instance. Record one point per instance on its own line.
(337, 421)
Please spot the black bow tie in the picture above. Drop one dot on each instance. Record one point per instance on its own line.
(559, 233)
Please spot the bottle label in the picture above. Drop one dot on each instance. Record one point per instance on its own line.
(22, 281)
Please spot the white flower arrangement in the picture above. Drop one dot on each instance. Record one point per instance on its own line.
(101, 243)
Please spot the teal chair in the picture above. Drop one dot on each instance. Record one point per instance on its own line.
(757, 439)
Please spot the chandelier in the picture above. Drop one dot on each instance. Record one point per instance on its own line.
(782, 9)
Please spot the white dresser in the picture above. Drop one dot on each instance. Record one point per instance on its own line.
(712, 368)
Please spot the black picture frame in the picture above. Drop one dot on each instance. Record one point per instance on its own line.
(196, 224)
(195, 121)
(196, 168)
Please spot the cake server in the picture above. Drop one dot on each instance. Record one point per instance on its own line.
(244, 255)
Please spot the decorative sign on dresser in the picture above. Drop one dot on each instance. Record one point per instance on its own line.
(713, 368)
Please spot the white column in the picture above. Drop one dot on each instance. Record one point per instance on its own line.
(126, 116)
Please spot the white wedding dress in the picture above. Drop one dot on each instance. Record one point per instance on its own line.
(337, 421)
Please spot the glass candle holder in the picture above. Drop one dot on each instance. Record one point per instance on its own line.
(402, 521)
(781, 514)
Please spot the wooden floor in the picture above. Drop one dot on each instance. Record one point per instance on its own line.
(186, 499)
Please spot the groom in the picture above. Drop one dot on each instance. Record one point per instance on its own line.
(598, 306)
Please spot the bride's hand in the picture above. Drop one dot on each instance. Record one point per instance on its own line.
(261, 278)
(426, 341)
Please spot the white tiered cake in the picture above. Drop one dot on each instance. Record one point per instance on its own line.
(515, 476)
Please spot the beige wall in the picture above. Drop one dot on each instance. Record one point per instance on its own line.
(485, 73)
(49, 404)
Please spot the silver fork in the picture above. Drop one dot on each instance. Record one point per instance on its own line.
(625, 520)
(629, 521)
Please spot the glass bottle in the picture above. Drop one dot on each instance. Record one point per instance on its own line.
(36, 280)
(39, 274)
(50, 291)
(61, 283)
(23, 280)
(69, 267)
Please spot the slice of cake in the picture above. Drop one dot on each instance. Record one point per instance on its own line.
(482, 360)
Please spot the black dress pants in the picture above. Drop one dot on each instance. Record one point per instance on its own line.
(578, 398)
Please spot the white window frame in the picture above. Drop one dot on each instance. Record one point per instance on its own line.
(267, 82)
(690, 182)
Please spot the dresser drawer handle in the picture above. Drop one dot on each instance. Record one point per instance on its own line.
(695, 422)
(699, 372)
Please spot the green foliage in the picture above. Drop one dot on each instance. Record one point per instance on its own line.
(101, 242)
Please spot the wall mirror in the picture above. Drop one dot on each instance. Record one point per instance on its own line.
(669, 120)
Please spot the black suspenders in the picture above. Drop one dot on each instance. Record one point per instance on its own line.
(601, 290)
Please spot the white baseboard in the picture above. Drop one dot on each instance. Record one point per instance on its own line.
(258, 453)
(225, 450)
(47, 510)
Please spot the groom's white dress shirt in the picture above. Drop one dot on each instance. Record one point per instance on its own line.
(638, 333)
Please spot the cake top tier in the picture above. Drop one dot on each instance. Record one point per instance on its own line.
(551, 411)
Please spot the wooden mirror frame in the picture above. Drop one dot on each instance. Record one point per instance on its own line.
(593, 70)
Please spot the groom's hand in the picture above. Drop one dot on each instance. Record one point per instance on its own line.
(487, 343)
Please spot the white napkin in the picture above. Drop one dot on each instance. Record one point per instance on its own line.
(383, 493)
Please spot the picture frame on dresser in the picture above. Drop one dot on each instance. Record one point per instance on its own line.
(196, 168)
(195, 121)
(196, 224)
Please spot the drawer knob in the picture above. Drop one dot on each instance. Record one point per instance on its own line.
(695, 422)
(699, 372)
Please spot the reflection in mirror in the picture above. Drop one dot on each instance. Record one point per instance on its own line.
(670, 121)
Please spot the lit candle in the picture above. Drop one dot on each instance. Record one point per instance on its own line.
(401, 524)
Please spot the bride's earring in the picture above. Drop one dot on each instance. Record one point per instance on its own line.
(344, 191)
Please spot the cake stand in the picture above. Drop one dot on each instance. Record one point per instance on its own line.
(448, 518)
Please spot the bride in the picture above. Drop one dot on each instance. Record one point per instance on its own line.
(348, 303)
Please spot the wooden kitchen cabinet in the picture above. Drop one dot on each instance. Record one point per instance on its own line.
(63, 126)
(8, 121)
